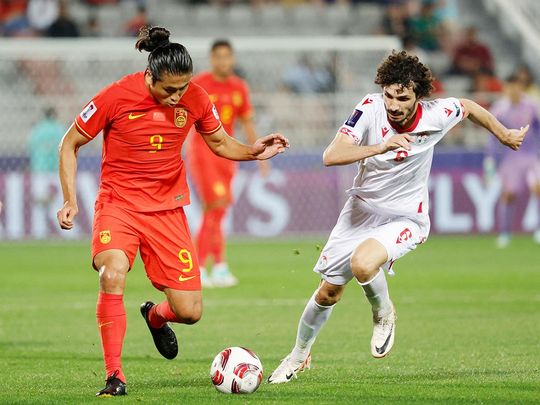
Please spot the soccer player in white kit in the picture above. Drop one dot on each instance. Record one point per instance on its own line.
(391, 136)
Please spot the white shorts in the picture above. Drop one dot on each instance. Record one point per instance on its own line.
(399, 235)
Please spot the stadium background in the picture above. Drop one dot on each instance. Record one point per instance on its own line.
(307, 63)
(468, 313)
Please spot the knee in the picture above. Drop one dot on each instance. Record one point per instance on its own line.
(329, 296)
(188, 315)
(363, 268)
(112, 274)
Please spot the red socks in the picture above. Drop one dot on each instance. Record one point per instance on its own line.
(210, 240)
(160, 314)
(111, 320)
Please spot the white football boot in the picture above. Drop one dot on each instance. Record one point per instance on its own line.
(289, 369)
(503, 240)
(206, 281)
(222, 276)
(384, 331)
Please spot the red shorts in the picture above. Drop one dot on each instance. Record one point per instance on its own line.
(212, 177)
(163, 238)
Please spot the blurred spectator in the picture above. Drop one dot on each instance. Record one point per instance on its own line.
(410, 44)
(42, 13)
(519, 170)
(396, 20)
(13, 20)
(471, 56)
(426, 26)
(64, 26)
(43, 151)
(138, 21)
(525, 76)
(93, 27)
(305, 77)
(484, 84)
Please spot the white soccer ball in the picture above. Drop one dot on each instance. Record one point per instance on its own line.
(236, 370)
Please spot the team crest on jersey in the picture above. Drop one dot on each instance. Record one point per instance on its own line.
(105, 237)
(180, 117)
(421, 137)
(87, 113)
(384, 131)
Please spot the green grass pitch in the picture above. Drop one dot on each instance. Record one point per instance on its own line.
(468, 328)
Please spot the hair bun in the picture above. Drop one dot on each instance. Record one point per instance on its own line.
(152, 38)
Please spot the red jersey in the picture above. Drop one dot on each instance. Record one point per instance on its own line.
(231, 98)
(142, 167)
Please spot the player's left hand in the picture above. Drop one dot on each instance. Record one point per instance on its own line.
(268, 146)
(515, 138)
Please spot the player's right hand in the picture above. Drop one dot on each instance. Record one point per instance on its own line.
(398, 141)
(66, 215)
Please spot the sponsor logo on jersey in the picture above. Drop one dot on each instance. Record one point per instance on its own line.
(367, 101)
(182, 278)
(132, 116)
(180, 117)
(448, 111)
(88, 111)
(105, 237)
(384, 131)
(353, 119)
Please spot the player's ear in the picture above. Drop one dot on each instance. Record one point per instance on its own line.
(148, 79)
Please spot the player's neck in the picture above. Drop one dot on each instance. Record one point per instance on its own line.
(220, 78)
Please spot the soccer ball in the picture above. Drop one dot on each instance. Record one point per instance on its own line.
(236, 370)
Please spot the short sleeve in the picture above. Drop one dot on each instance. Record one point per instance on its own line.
(246, 109)
(209, 121)
(356, 126)
(96, 114)
(451, 112)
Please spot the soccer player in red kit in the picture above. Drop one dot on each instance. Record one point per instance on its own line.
(145, 118)
(212, 175)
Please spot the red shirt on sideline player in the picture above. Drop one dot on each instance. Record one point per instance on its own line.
(211, 175)
(145, 118)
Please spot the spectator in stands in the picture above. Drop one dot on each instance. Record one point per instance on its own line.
(426, 26)
(138, 21)
(396, 19)
(64, 26)
(93, 27)
(519, 170)
(13, 20)
(471, 56)
(485, 86)
(525, 76)
(306, 77)
(43, 151)
(42, 13)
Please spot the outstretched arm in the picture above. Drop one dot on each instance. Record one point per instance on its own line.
(251, 136)
(69, 147)
(343, 150)
(264, 148)
(513, 138)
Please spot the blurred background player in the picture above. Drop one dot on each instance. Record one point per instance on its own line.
(212, 175)
(43, 152)
(391, 136)
(518, 171)
(145, 118)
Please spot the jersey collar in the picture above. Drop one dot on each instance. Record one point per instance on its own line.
(414, 124)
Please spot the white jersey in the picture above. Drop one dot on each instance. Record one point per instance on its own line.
(396, 182)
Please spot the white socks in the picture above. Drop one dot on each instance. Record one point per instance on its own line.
(376, 291)
(311, 322)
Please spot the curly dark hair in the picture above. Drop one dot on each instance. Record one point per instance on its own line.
(404, 69)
